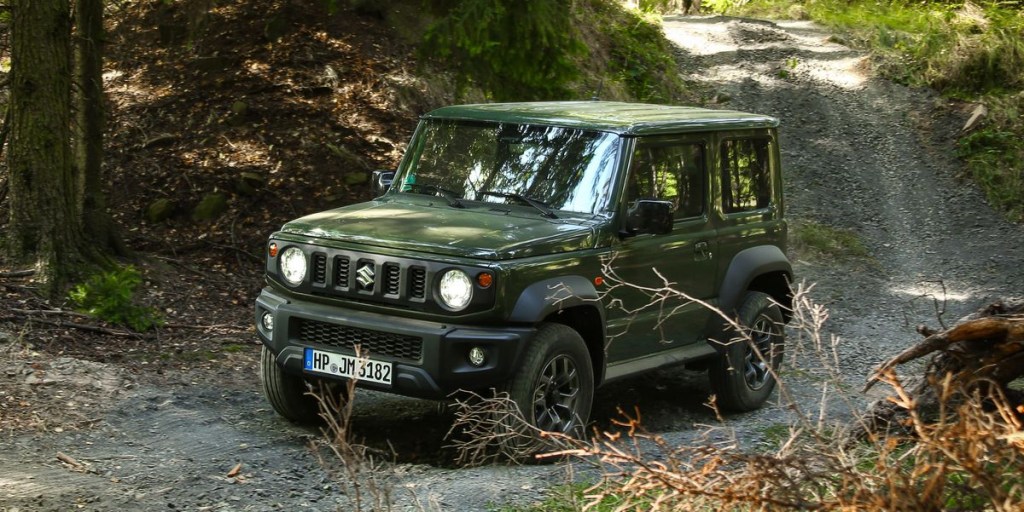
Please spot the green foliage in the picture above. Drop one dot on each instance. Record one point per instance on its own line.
(332, 6)
(511, 52)
(639, 55)
(553, 50)
(959, 48)
(975, 50)
(827, 241)
(109, 296)
(995, 153)
(571, 498)
(776, 434)
(723, 6)
(658, 6)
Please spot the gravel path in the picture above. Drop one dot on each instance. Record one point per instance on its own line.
(871, 156)
(860, 153)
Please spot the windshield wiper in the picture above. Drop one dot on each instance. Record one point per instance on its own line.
(448, 195)
(523, 199)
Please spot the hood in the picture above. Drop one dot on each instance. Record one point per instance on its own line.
(474, 231)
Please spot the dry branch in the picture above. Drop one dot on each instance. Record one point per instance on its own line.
(983, 352)
(72, 325)
(67, 459)
(490, 429)
(18, 273)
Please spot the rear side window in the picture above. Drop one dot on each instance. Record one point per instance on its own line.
(746, 174)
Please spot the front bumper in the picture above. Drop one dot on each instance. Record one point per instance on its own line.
(431, 363)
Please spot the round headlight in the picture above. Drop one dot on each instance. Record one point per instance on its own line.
(293, 265)
(455, 289)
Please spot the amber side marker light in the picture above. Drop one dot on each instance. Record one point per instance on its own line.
(485, 280)
(272, 250)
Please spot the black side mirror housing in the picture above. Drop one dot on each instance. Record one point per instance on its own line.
(648, 216)
(381, 181)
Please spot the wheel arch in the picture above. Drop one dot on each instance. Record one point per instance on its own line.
(572, 301)
(764, 268)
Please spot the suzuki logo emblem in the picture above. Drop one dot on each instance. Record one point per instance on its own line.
(365, 275)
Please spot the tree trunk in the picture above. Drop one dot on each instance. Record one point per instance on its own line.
(89, 125)
(44, 227)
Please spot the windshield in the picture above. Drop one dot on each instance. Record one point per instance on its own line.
(542, 166)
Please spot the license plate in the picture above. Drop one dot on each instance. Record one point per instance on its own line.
(341, 365)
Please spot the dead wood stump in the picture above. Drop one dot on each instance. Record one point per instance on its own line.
(981, 355)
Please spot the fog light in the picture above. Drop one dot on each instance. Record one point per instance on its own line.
(268, 322)
(476, 356)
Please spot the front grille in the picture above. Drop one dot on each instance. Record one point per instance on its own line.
(373, 343)
(417, 283)
(392, 279)
(364, 274)
(319, 268)
(341, 272)
(389, 280)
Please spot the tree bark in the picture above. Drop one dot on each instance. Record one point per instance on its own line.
(44, 227)
(90, 122)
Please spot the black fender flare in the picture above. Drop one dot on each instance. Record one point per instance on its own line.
(542, 298)
(746, 266)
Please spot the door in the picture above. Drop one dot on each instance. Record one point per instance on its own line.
(642, 318)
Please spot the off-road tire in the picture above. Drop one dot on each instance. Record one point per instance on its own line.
(740, 379)
(554, 388)
(286, 392)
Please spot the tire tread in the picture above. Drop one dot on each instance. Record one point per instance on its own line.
(732, 393)
(286, 393)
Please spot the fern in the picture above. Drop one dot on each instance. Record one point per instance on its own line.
(109, 296)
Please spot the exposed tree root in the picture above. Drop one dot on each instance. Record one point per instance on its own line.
(983, 353)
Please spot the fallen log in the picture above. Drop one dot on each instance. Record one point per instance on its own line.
(983, 353)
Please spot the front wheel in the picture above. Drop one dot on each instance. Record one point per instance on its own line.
(554, 389)
(743, 378)
(286, 392)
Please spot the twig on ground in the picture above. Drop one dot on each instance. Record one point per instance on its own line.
(19, 273)
(237, 250)
(73, 325)
(31, 312)
(233, 327)
(67, 459)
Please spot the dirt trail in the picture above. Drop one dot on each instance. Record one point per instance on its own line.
(864, 154)
(859, 153)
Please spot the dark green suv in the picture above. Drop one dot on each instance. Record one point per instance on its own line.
(521, 248)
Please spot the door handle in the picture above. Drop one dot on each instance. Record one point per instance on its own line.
(702, 251)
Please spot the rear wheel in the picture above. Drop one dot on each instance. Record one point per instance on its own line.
(286, 392)
(742, 377)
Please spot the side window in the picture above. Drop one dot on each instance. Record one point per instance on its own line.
(669, 172)
(746, 175)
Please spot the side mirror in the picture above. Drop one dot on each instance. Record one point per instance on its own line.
(381, 181)
(648, 216)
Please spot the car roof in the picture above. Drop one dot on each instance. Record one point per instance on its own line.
(609, 116)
